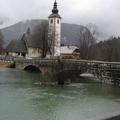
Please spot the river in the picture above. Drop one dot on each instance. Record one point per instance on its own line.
(21, 98)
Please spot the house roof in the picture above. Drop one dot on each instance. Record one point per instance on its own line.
(68, 49)
(33, 42)
(16, 46)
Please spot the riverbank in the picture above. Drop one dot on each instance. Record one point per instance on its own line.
(114, 118)
(6, 64)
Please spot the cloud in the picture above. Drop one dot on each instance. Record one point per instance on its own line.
(103, 13)
(3, 19)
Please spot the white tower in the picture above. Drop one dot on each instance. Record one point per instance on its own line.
(54, 32)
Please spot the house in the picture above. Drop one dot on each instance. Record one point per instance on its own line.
(70, 52)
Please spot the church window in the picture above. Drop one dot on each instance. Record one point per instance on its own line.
(57, 21)
(51, 21)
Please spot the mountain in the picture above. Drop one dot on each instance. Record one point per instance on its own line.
(71, 33)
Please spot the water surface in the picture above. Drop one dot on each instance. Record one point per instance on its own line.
(21, 98)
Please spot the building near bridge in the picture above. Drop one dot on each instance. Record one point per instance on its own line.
(70, 52)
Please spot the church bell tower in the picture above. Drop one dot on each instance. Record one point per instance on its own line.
(54, 31)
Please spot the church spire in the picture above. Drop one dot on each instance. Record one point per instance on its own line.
(55, 10)
(54, 32)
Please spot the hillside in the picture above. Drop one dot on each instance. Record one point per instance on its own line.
(71, 33)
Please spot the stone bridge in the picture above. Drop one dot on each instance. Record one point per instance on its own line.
(104, 71)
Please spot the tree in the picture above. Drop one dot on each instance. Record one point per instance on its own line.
(1, 41)
(40, 36)
(45, 37)
(86, 40)
(93, 29)
(96, 32)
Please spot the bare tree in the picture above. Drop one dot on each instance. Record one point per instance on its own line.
(86, 40)
(1, 41)
(93, 29)
(45, 37)
(96, 32)
(40, 36)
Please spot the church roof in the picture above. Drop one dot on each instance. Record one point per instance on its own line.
(54, 15)
(16, 46)
(33, 42)
(55, 11)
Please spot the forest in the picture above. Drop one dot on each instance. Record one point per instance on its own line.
(108, 50)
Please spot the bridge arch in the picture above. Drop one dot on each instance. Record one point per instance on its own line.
(32, 68)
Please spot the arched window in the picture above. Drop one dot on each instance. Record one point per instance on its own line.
(57, 21)
(51, 21)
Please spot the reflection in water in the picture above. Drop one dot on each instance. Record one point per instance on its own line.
(22, 99)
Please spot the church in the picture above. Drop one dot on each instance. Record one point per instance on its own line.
(27, 47)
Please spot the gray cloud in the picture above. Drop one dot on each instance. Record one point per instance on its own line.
(103, 13)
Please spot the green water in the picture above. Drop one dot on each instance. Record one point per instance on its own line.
(21, 98)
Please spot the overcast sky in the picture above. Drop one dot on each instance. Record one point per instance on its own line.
(104, 13)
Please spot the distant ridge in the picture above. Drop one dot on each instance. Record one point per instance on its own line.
(71, 33)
